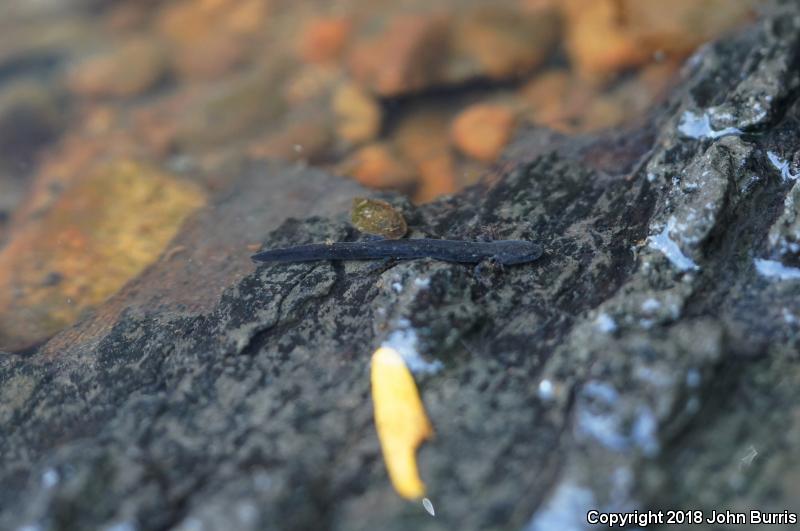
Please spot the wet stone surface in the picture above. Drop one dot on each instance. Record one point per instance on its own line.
(647, 360)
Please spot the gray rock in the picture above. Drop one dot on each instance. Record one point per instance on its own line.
(647, 361)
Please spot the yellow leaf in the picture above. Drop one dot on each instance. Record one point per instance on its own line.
(400, 420)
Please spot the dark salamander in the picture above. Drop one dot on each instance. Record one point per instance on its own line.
(505, 252)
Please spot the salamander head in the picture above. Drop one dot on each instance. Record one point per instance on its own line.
(511, 252)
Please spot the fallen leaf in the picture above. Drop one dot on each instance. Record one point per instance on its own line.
(400, 420)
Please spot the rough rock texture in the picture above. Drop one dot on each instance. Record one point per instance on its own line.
(649, 360)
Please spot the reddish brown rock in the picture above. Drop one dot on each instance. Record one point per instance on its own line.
(156, 129)
(211, 37)
(311, 82)
(481, 131)
(501, 42)
(437, 177)
(210, 57)
(378, 166)
(128, 70)
(300, 140)
(358, 115)
(245, 17)
(596, 41)
(608, 36)
(676, 28)
(546, 96)
(227, 112)
(422, 137)
(126, 16)
(422, 134)
(324, 39)
(404, 56)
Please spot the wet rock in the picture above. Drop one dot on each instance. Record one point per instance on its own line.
(231, 109)
(500, 42)
(606, 37)
(324, 39)
(302, 139)
(209, 39)
(437, 177)
(422, 136)
(312, 83)
(134, 67)
(680, 28)
(359, 115)
(481, 131)
(547, 96)
(210, 58)
(784, 235)
(377, 165)
(648, 360)
(405, 56)
(432, 49)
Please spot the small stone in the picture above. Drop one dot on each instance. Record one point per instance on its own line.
(156, 129)
(481, 131)
(658, 77)
(323, 39)
(358, 114)
(30, 118)
(502, 42)
(126, 16)
(422, 134)
(188, 22)
(437, 177)
(547, 95)
(210, 38)
(238, 107)
(403, 57)
(596, 42)
(422, 138)
(606, 37)
(96, 236)
(245, 17)
(128, 70)
(607, 111)
(675, 29)
(211, 57)
(300, 140)
(311, 82)
(374, 216)
(377, 166)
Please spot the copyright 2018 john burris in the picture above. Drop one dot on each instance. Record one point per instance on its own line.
(643, 519)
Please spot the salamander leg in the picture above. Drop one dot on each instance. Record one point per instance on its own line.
(381, 266)
(486, 270)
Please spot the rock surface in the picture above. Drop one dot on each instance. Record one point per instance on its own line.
(648, 360)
